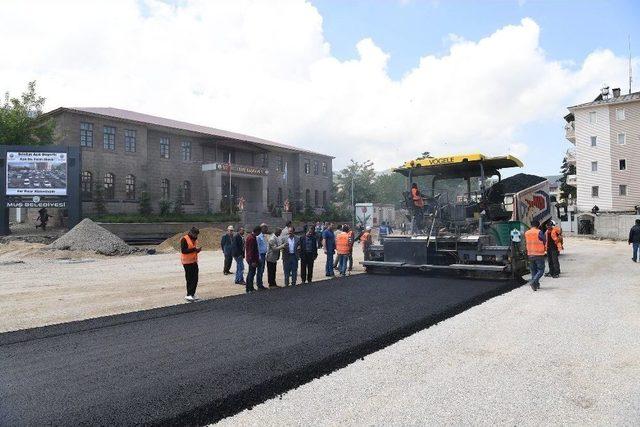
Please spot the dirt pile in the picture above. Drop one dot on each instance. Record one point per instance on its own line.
(89, 236)
(209, 239)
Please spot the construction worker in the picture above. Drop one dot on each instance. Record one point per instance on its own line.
(554, 246)
(535, 242)
(352, 240)
(343, 249)
(418, 208)
(189, 258)
(366, 240)
(383, 231)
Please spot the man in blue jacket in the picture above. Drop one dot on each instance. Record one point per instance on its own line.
(226, 244)
(329, 244)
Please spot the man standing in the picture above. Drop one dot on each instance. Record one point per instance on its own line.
(329, 244)
(189, 258)
(634, 240)
(290, 257)
(253, 257)
(273, 255)
(535, 241)
(366, 240)
(343, 247)
(263, 248)
(309, 253)
(237, 250)
(226, 244)
(554, 246)
(352, 240)
(418, 208)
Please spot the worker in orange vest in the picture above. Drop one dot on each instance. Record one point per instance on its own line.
(418, 208)
(554, 246)
(343, 248)
(535, 242)
(189, 258)
(366, 240)
(352, 241)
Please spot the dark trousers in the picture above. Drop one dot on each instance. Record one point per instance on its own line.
(260, 270)
(306, 267)
(271, 273)
(329, 265)
(290, 270)
(554, 263)
(191, 275)
(536, 265)
(251, 274)
(228, 259)
(351, 260)
(636, 249)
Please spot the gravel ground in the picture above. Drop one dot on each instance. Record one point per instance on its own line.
(568, 354)
(195, 363)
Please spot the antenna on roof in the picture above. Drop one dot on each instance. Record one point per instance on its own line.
(630, 69)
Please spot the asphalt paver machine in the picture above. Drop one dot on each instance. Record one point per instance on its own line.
(473, 229)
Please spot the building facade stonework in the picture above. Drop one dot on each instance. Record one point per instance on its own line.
(124, 151)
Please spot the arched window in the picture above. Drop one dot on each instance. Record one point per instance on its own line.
(86, 185)
(130, 187)
(164, 186)
(109, 186)
(186, 192)
(307, 198)
(324, 199)
(316, 198)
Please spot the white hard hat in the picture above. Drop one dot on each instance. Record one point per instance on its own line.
(368, 228)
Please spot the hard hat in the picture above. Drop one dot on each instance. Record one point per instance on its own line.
(230, 228)
(368, 228)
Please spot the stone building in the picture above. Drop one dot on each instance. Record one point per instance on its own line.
(125, 151)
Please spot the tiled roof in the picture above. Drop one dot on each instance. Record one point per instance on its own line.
(118, 113)
(635, 96)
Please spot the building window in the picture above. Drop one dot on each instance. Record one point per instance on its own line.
(594, 141)
(86, 134)
(324, 168)
(186, 192)
(594, 166)
(86, 185)
(279, 164)
(307, 198)
(619, 113)
(316, 198)
(307, 166)
(279, 198)
(228, 155)
(130, 140)
(164, 148)
(316, 167)
(130, 187)
(264, 160)
(109, 186)
(594, 191)
(185, 150)
(622, 190)
(109, 138)
(164, 187)
(593, 117)
(324, 199)
(622, 138)
(622, 164)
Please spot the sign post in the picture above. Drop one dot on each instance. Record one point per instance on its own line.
(39, 177)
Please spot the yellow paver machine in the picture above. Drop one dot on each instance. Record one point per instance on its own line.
(473, 228)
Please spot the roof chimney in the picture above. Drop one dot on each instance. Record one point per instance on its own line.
(616, 92)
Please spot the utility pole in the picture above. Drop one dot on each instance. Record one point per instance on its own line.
(630, 69)
(353, 204)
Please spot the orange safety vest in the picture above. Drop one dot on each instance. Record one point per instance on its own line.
(555, 234)
(191, 257)
(417, 200)
(535, 246)
(342, 244)
(364, 239)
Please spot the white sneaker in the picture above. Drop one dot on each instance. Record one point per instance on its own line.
(195, 297)
(189, 298)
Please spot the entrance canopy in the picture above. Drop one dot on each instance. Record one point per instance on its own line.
(458, 166)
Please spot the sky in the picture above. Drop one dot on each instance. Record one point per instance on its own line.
(383, 80)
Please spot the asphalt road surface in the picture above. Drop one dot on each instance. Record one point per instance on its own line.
(198, 363)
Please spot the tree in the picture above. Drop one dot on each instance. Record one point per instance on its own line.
(565, 189)
(145, 201)
(362, 176)
(21, 122)
(388, 188)
(178, 203)
(98, 200)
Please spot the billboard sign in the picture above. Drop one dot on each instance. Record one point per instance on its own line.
(31, 173)
(364, 214)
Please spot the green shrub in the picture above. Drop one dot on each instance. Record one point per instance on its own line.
(169, 217)
(165, 207)
(145, 207)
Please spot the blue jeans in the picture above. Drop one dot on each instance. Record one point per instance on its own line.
(329, 267)
(343, 260)
(536, 264)
(260, 271)
(290, 270)
(239, 269)
(636, 249)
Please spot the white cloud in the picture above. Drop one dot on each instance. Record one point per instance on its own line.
(265, 68)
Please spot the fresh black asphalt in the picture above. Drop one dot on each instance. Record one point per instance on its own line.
(197, 363)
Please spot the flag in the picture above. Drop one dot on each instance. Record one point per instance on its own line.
(284, 175)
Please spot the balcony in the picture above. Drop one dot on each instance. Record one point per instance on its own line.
(570, 132)
(572, 180)
(571, 157)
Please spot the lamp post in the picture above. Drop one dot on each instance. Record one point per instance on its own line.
(353, 204)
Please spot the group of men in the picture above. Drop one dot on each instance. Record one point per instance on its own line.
(262, 250)
(540, 245)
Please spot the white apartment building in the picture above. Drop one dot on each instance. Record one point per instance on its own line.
(606, 135)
